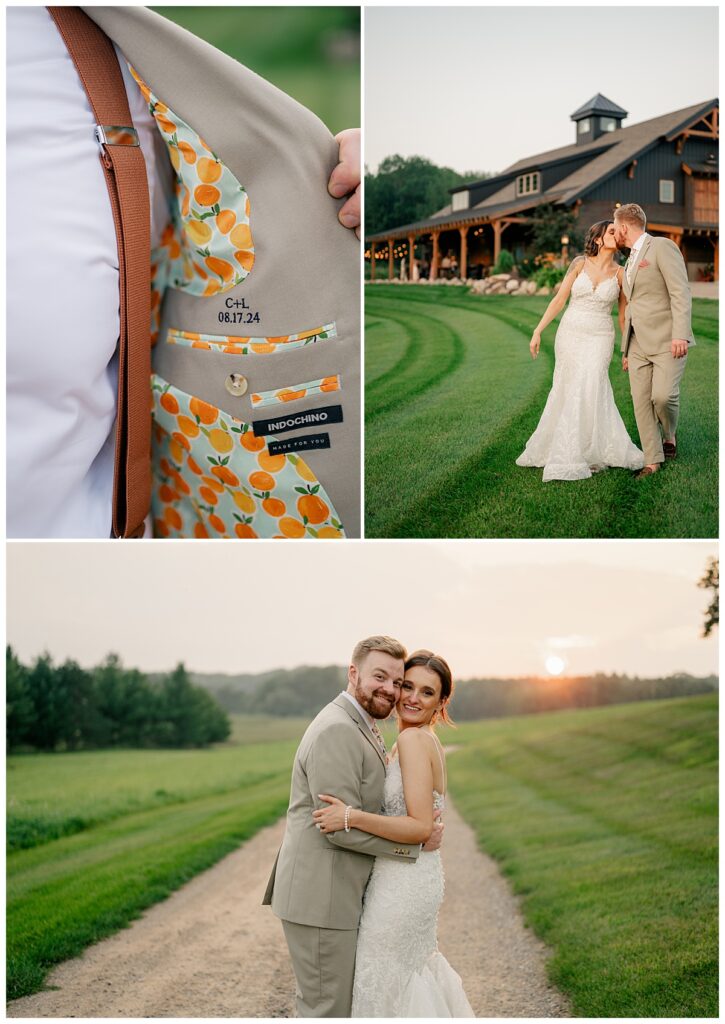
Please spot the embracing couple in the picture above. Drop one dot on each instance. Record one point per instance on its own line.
(358, 880)
(580, 430)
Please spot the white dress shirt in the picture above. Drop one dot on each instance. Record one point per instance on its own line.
(63, 288)
(634, 254)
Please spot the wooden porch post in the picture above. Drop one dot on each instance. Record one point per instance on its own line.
(411, 257)
(463, 262)
(434, 259)
(497, 230)
(390, 259)
(372, 261)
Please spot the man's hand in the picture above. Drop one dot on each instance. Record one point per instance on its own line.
(345, 179)
(435, 838)
(625, 363)
(679, 348)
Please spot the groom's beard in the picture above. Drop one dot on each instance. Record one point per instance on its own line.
(378, 704)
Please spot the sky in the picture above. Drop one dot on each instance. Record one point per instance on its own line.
(477, 88)
(492, 608)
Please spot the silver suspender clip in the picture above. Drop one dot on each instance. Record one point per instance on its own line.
(116, 135)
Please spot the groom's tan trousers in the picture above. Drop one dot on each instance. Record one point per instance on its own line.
(323, 960)
(654, 381)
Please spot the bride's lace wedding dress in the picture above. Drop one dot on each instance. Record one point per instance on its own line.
(580, 430)
(399, 971)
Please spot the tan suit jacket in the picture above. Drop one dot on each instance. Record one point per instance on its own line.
(659, 301)
(319, 880)
(306, 271)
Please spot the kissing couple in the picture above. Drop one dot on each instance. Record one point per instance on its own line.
(580, 430)
(358, 880)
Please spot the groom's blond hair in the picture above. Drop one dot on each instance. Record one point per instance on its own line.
(633, 214)
(386, 644)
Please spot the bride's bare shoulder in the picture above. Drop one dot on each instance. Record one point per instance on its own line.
(408, 739)
(577, 265)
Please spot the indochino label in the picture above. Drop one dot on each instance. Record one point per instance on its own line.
(306, 443)
(293, 421)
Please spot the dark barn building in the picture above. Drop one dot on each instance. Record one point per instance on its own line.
(669, 165)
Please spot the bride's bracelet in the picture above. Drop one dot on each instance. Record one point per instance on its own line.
(347, 818)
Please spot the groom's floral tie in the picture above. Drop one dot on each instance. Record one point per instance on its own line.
(379, 740)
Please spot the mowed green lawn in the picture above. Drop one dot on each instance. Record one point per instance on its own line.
(133, 826)
(452, 396)
(605, 821)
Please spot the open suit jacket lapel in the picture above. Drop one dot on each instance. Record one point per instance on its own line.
(352, 711)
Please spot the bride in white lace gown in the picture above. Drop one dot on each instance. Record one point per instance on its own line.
(580, 430)
(399, 971)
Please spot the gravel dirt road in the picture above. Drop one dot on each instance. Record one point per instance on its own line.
(211, 949)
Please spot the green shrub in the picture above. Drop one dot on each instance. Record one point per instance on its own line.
(527, 267)
(549, 275)
(504, 263)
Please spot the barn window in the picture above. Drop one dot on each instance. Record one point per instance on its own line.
(667, 191)
(607, 124)
(528, 183)
(461, 200)
(584, 126)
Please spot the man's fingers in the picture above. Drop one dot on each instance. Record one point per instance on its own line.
(346, 176)
(349, 215)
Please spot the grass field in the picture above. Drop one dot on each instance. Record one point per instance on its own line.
(132, 826)
(605, 821)
(452, 396)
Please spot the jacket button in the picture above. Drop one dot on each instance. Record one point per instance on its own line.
(236, 384)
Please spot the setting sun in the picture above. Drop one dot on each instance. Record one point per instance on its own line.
(555, 665)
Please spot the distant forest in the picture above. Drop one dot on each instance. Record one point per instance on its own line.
(303, 691)
(65, 707)
(406, 189)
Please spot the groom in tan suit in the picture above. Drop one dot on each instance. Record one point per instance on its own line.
(318, 881)
(657, 332)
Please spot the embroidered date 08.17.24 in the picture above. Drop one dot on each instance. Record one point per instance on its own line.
(237, 311)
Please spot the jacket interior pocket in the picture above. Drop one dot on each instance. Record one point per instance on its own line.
(294, 392)
(248, 346)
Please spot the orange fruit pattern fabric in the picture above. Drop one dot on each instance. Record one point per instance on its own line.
(296, 391)
(214, 478)
(207, 247)
(240, 346)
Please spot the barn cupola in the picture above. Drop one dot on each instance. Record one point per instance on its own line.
(596, 118)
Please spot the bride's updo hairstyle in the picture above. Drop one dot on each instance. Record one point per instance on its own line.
(440, 666)
(595, 232)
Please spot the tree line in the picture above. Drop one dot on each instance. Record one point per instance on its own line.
(303, 691)
(65, 707)
(498, 698)
(407, 189)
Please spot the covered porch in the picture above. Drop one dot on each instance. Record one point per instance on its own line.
(461, 248)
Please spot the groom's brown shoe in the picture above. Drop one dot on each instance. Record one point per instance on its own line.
(670, 449)
(647, 471)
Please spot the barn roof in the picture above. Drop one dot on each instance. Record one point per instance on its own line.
(608, 153)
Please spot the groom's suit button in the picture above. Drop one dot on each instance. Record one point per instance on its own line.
(236, 384)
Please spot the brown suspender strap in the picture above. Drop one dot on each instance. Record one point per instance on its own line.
(125, 172)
